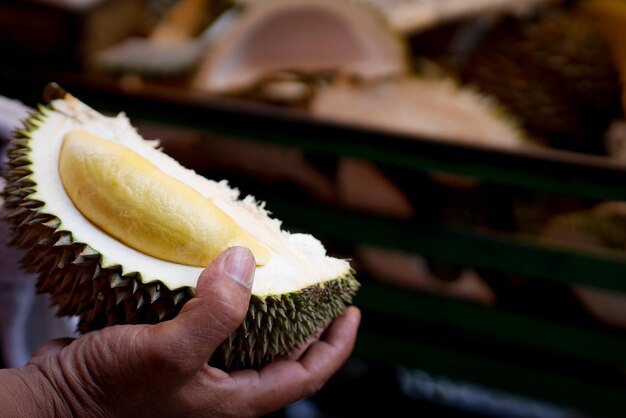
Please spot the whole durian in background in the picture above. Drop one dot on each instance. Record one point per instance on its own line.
(610, 17)
(602, 227)
(118, 233)
(555, 72)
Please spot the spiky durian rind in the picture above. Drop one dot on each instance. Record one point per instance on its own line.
(566, 91)
(72, 273)
(348, 101)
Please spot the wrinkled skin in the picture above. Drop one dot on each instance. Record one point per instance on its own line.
(162, 370)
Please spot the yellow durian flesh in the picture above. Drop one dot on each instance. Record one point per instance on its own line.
(130, 199)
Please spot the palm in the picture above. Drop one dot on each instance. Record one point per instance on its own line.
(162, 370)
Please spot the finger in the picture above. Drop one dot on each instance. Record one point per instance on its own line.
(326, 356)
(284, 382)
(52, 347)
(219, 307)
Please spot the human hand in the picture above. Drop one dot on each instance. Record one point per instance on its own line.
(162, 370)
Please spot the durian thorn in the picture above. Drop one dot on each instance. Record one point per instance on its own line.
(88, 252)
(269, 323)
(23, 133)
(121, 294)
(24, 182)
(64, 258)
(262, 305)
(162, 313)
(265, 345)
(179, 297)
(21, 142)
(39, 219)
(136, 285)
(31, 204)
(17, 152)
(117, 280)
(141, 300)
(64, 240)
(98, 271)
(154, 293)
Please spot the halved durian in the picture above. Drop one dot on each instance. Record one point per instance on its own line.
(433, 108)
(106, 280)
(304, 36)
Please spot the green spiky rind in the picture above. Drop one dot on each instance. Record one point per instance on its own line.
(554, 71)
(490, 103)
(277, 324)
(72, 274)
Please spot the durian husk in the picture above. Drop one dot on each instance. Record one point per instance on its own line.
(553, 71)
(370, 49)
(72, 273)
(610, 18)
(437, 108)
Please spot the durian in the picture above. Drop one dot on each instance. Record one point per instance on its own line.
(601, 228)
(106, 278)
(610, 18)
(434, 108)
(305, 36)
(554, 72)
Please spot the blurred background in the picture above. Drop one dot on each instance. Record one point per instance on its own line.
(467, 156)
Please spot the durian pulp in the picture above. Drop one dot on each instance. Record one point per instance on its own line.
(297, 260)
(132, 200)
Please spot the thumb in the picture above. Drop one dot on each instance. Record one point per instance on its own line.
(219, 307)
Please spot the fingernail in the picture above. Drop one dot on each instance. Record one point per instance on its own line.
(239, 265)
